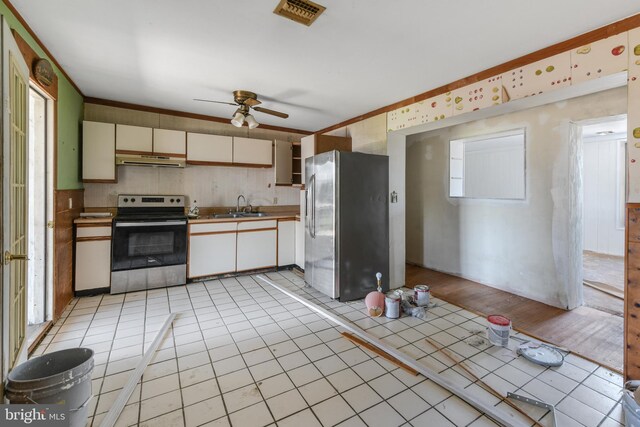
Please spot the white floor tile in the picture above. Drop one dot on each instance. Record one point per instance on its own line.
(254, 416)
(285, 404)
(382, 415)
(361, 397)
(332, 411)
(203, 412)
(317, 391)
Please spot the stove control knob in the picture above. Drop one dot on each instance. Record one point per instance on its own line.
(126, 200)
(177, 200)
(171, 200)
(133, 200)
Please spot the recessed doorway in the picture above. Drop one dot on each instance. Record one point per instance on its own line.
(604, 194)
(40, 247)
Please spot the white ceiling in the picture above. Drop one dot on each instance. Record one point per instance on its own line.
(358, 56)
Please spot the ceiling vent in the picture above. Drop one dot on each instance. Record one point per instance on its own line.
(302, 11)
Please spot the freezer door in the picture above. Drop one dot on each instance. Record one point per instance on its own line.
(363, 223)
(320, 236)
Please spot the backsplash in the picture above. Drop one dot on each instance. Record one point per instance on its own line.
(209, 185)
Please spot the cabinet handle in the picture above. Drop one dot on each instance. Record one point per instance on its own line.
(8, 257)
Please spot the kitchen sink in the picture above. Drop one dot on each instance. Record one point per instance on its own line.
(229, 215)
(239, 215)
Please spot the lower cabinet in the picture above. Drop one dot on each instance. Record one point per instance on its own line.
(286, 242)
(257, 245)
(212, 249)
(299, 261)
(93, 257)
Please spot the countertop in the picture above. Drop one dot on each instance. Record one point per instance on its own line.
(203, 220)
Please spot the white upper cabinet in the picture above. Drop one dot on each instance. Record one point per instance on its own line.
(249, 151)
(282, 163)
(134, 138)
(98, 151)
(205, 148)
(172, 142)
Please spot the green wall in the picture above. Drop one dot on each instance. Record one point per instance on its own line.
(70, 112)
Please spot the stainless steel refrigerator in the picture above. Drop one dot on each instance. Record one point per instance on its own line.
(346, 223)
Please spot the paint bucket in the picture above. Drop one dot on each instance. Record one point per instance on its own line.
(392, 305)
(421, 295)
(61, 377)
(498, 330)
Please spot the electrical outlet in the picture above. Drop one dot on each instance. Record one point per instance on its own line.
(275, 200)
(70, 203)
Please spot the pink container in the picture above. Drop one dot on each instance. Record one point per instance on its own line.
(375, 303)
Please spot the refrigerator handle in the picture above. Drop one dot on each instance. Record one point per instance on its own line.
(312, 189)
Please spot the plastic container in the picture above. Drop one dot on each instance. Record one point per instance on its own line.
(498, 330)
(630, 407)
(61, 377)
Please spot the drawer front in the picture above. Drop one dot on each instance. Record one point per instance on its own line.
(213, 227)
(257, 225)
(93, 231)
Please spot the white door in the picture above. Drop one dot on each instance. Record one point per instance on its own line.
(15, 98)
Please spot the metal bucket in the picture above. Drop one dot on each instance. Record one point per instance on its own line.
(421, 295)
(392, 305)
(62, 377)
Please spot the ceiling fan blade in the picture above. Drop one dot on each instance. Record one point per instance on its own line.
(215, 102)
(272, 112)
(251, 102)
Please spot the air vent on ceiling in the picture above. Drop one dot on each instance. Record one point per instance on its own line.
(302, 11)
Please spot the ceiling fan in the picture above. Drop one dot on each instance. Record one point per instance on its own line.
(246, 101)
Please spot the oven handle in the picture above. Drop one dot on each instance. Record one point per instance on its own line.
(149, 224)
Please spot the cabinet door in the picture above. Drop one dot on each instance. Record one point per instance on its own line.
(171, 142)
(204, 148)
(98, 151)
(211, 254)
(134, 138)
(282, 163)
(93, 264)
(286, 243)
(249, 151)
(257, 245)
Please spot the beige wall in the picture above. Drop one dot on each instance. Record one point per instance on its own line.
(367, 136)
(209, 185)
(529, 247)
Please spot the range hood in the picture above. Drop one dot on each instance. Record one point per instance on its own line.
(149, 160)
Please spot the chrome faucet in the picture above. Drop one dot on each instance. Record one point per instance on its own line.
(238, 202)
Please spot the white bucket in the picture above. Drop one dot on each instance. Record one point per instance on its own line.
(421, 295)
(392, 305)
(498, 330)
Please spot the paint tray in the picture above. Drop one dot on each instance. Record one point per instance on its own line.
(541, 354)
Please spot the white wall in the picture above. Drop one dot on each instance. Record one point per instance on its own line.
(209, 185)
(604, 170)
(529, 247)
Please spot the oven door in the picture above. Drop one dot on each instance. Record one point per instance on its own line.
(140, 244)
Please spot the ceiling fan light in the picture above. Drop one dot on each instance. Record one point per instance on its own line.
(238, 119)
(251, 122)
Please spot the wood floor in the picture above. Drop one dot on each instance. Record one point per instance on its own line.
(586, 331)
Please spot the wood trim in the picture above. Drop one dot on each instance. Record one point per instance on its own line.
(253, 165)
(41, 334)
(179, 156)
(631, 297)
(94, 224)
(212, 275)
(255, 230)
(292, 219)
(204, 163)
(209, 233)
(100, 181)
(137, 153)
(149, 109)
(26, 26)
(572, 43)
(30, 56)
(92, 239)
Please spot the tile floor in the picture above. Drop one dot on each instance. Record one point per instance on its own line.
(242, 353)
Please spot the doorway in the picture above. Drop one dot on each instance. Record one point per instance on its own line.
(604, 194)
(40, 247)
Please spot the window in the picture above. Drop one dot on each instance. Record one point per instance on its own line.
(488, 166)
